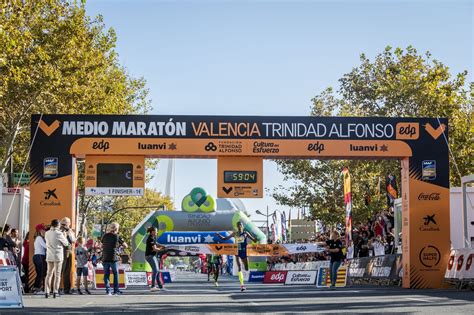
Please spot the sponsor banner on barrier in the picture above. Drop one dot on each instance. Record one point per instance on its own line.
(10, 288)
(99, 279)
(460, 265)
(252, 250)
(324, 279)
(386, 266)
(381, 266)
(165, 277)
(136, 278)
(300, 277)
(311, 265)
(358, 267)
(256, 276)
(275, 277)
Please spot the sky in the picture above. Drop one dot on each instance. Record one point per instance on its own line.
(267, 57)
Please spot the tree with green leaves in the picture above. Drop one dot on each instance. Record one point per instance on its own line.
(56, 59)
(397, 83)
(126, 211)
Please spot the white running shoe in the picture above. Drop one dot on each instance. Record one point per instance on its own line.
(154, 289)
(216, 284)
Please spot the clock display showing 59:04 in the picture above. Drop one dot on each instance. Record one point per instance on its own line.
(241, 177)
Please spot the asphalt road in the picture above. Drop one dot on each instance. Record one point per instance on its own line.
(191, 293)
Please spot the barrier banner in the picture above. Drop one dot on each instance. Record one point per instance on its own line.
(381, 266)
(324, 279)
(397, 270)
(358, 267)
(301, 277)
(460, 265)
(450, 268)
(137, 278)
(165, 277)
(256, 276)
(10, 288)
(275, 277)
(310, 265)
(252, 250)
(99, 279)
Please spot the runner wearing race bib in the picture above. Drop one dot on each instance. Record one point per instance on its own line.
(216, 262)
(241, 239)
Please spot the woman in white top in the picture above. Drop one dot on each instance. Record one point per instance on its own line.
(39, 258)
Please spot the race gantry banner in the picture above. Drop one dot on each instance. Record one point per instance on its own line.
(421, 144)
(252, 250)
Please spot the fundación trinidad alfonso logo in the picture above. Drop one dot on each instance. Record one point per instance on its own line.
(49, 129)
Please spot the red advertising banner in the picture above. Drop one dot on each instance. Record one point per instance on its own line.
(275, 277)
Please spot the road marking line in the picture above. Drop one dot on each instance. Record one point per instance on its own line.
(419, 300)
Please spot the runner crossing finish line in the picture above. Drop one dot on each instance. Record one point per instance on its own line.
(241, 249)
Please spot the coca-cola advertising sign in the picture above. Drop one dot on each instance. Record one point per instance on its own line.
(429, 196)
(275, 277)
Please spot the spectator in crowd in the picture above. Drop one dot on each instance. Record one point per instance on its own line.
(55, 242)
(39, 258)
(25, 259)
(334, 248)
(6, 242)
(362, 244)
(82, 259)
(67, 262)
(111, 242)
(151, 250)
(390, 242)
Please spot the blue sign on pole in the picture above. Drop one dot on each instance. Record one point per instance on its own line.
(168, 238)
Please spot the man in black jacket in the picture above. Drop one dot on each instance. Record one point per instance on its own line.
(111, 242)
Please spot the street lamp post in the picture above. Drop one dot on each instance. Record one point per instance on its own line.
(267, 216)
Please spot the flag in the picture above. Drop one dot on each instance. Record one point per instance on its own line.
(367, 197)
(348, 204)
(391, 189)
(289, 225)
(283, 226)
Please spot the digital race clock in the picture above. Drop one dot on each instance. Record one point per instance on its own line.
(242, 177)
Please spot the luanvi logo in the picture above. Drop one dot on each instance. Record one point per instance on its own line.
(50, 198)
(435, 133)
(48, 130)
(429, 196)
